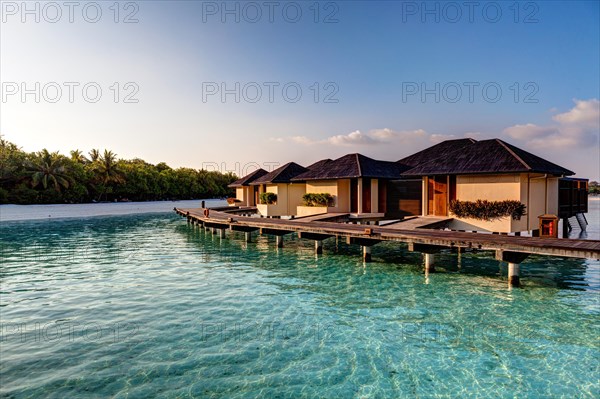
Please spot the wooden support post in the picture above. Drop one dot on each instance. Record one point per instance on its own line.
(221, 233)
(429, 263)
(513, 275)
(248, 236)
(279, 241)
(514, 259)
(318, 247)
(203, 205)
(213, 230)
(366, 253)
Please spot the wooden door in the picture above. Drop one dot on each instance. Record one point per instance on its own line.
(430, 191)
(440, 196)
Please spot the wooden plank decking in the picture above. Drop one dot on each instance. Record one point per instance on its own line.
(323, 217)
(419, 222)
(531, 245)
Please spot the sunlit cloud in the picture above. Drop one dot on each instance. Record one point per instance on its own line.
(585, 113)
(358, 138)
(576, 128)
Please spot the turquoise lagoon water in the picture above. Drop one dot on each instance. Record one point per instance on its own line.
(147, 306)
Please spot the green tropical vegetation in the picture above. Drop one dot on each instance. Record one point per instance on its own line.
(46, 177)
(487, 210)
(268, 198)
(594, 188)
(317, 199)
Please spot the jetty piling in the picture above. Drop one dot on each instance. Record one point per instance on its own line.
(318, 247)
(366, 253)
(513, 274)
(429, 262)
(510, 249)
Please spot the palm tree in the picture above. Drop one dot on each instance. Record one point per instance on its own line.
(11, 162)
(107, 170)
(77, 156)
(94, 155)
(48, 168)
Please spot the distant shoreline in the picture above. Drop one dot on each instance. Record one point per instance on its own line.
(13, 212)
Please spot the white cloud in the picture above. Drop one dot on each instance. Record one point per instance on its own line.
(300, 140)
(438, 138)
(353, 138)
(373, 137)
(529, 131)
(585, 113)
(382, 143)
(383, 134)
(576, 128)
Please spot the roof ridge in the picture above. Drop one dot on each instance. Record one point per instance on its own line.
(280, 169)
(358, 163)
(511, 152)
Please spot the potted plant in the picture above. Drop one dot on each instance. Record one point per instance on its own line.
(268, 198)
(317, 199)
(233, 201)
(488, 210)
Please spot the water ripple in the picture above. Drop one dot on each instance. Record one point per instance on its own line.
(146, 305)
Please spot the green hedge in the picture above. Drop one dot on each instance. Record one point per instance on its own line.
(322, 199)
(268, 198)
(487, 210)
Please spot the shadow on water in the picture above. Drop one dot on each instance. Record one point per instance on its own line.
(107, 241)
(390, 257)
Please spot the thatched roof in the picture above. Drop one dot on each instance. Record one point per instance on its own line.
(486, 156)
(246, 180)
(352, 166)
(282, 174)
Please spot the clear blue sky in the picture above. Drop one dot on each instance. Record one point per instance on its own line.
(370, 57)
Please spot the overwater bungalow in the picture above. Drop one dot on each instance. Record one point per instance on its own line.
(288, 195)
(244, 193)
(428, 185)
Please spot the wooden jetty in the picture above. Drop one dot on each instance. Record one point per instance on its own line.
(510, 249)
